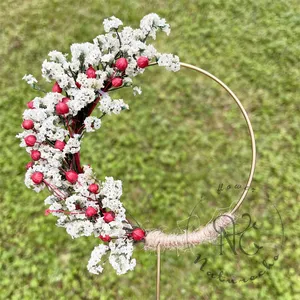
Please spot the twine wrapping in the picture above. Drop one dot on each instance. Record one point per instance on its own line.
(207, 234)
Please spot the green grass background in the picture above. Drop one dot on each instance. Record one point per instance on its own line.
(180, 139)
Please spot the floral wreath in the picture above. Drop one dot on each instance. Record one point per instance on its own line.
(55, 125)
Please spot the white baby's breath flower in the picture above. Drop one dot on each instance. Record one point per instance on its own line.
(85, 54)
(29, 79)
(58, 57)
(73, 200)
(109, 106)
(120, 256)
(79, 228)
(112, 23)
(127, 81)
(169, 61)
(137, 90)
(72, 146)
(92, 124)
(151, 23)
(94, 265)
(81, 98)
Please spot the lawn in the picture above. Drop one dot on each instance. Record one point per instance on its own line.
(182, 138)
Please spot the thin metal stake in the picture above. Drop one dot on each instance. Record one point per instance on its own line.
(158, 273)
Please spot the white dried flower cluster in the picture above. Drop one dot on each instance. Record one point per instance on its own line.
(112, 23)
(137, 90)
(92, 124)
(54, 126)
(30, 79)
(96, 256)
(109, 106)
(150, 23)
(169, 61)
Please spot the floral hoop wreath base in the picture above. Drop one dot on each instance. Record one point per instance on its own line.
(211, 231)
(54, 126)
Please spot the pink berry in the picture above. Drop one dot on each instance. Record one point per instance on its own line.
(117, 81)
(71, 176)
(59, 145)
(30, 140)
(93, 188)
(37, 177)
(90, 72)
(56, 88)
(62, 108)
(78, 84)
(35, 155)
(65, 100)
(30, 104)
(121, 64)
(138, 234)
(91, 211)
(143, 62)
(108, 216)
(27, 124)
(105, 238)
(29, 165)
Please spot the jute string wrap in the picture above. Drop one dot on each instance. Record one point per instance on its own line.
(207, 234)
(211, 231)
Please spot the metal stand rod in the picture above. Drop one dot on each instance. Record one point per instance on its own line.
(158, 273)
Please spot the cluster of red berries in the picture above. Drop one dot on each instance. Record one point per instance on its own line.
(121, 64)
(71, 176)
(62, 108)
(137, 234)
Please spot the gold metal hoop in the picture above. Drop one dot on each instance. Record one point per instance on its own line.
(253, 160)
(246, 117)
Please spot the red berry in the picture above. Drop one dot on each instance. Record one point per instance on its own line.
(108, 216)
(47, 212)
(59, 145)
(78, 84)
(105, 238)
(121, 64)
(117, 81)
(27, 124)
(56, 88)
(94, 188)
(35, 154)
(71, 176)
(91, 211)
(90, 72)
(143, 62)
(30, 140)
(62, 108)
(78, 206)
(65, 99)
(37, 177)
(138, 234)
(30, 104)
(29, 165)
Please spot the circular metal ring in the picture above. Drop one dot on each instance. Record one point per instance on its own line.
(246, 117)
